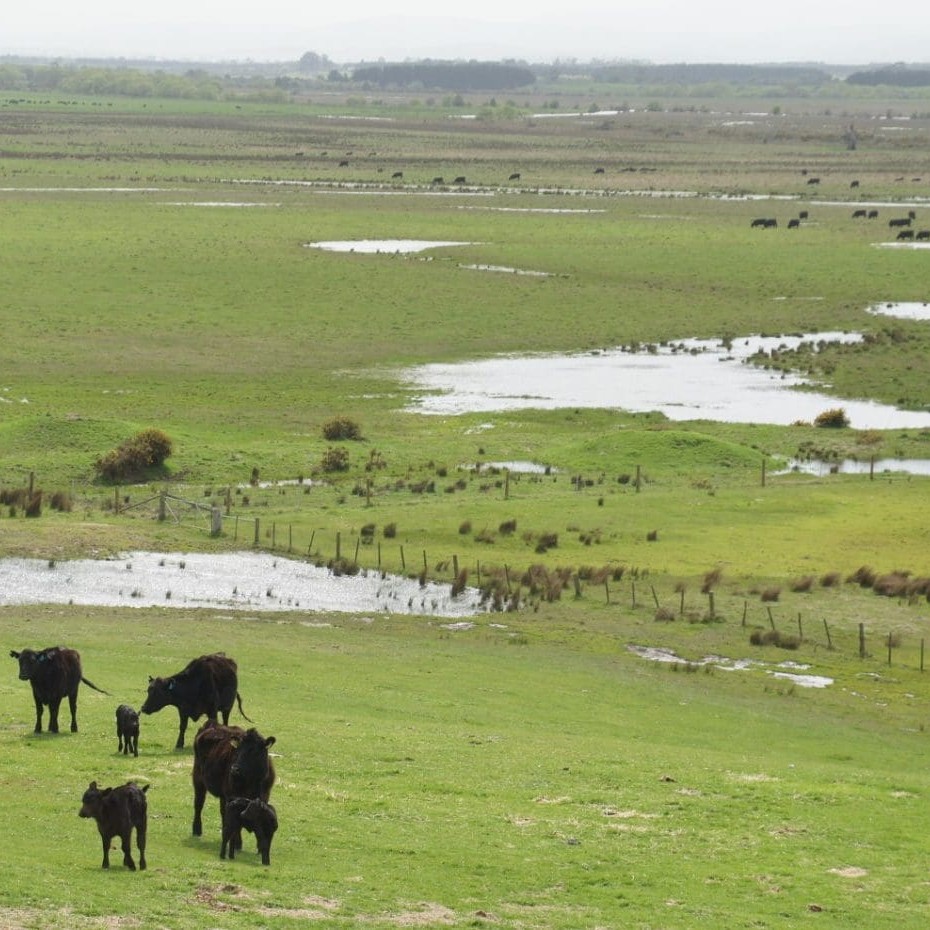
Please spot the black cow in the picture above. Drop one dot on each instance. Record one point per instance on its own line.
(912, 214)
(803, 214)
(813, 180)
(923, 234)
(853, 183)
(872, 215)
(127, 730)
(438, 181)
(54, 673)
(764, 222)
(906, 234)
(229, 762)
(598, 170)
(794, 224)
(118, 811)
(258, 817)
(207, 686)
(858, 213)
(899, 221)
(515, 176)
(397, 174)
(460, 179)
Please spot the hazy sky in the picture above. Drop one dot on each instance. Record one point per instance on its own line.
(854, 32)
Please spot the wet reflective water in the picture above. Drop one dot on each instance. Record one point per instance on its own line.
(903, 310)
(689, 380)
(377, 246)
(859, 467)
(230, 581)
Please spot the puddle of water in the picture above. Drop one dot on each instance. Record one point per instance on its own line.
(237, 581)
(903, 310)
(379, 246)
(508, 270)
(216, 203)
(690, 380)
(913, 246)
(820, 467)
(524, 468)
(660, 654)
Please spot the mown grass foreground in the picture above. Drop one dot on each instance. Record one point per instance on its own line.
(521, 774)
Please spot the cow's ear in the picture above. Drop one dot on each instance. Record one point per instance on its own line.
(92, 786)
(14, 653)
(270, 741)
(151, 679)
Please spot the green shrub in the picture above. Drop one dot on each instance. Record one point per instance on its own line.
(341, 428)
(334, 459)
(832, 419)
(134, 457)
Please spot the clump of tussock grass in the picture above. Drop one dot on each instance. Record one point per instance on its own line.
(485, 536)
(893, 584)
(341, 427)
(802, 585)
(864, 576)
(770, 595)
(830, 579)
(460, 582)
(334, 459)
(507, 528)
(834, 418)
(774, 638)
(465, 528)
(663, 614)
(711, 580)
(652, 536)
(546, 541)
(62, 502)
(389, 531)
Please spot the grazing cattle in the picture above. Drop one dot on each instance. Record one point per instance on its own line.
(258, 817)
(899, 221)
(872, 215)
(438, 181)
(803, 214)
(923, 234)
(207, 686)
(858, 213)
(460, 179)
(813, 180)
(343, 164)
(54, 673)
(794, 224)
(853, 183)
(764, 222)
(906, 234)
(229, 762)
(127, 730)
(515, 176)
(118, 811)
(397, 174)
(598, 170)
(912, 214)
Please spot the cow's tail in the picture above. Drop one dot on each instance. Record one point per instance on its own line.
(241, 711)
(90, 684)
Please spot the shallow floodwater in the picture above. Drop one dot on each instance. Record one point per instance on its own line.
(860, 467)
(378, 246)
(912, 310)
(690, 380)
(228, 581)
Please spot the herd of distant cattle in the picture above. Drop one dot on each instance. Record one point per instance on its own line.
(230, 763)
(901, 223)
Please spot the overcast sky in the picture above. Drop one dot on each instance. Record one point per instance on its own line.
(854, 32)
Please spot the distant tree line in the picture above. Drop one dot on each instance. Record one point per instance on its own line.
(894, 77)
(710, 73)
(447, 75)
(117, 82)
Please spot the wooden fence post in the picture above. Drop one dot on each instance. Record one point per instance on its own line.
(800, 631)
(827, 631)
(338, 545)
(921, 654)
(861, 640)
(633, 591)
(771, 618)
(607, 590)
(655, 596)
(763, 472)
(162, 507)
(216, 521)
(255, 542)
(403, 561)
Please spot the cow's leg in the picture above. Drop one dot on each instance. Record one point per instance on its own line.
(52, 716)
(140, 842)
(182, 729)
(119, 738)
(135, 745)
(200, 795)
(106, 850)
(124, 839)
(72, 703)
(38, 728)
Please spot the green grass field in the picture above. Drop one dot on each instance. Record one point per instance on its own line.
(531, 772)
